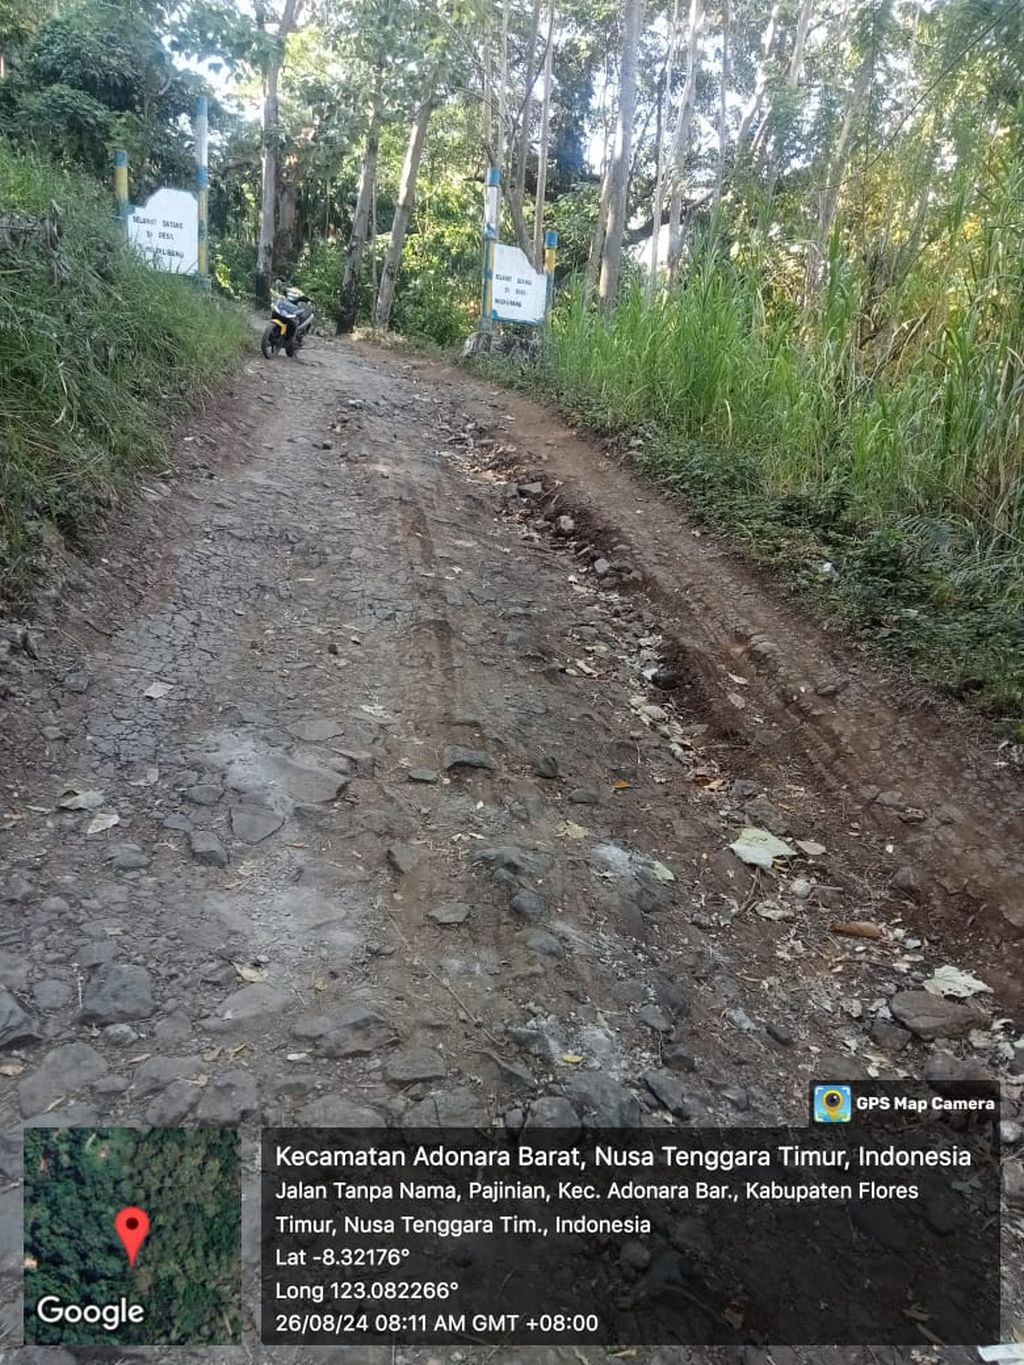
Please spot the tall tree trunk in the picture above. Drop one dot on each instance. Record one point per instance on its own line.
(503, 116)
(403, 210)
(618, 199)
(723, 128)
(597, 241)
(664, 105)
(836, 169)
(753, 109)
(374, 282)
(524, 131)
(348, 298)
(681, 138)
(487, 104)
(545, 136)
(796, 61)
(286, 245)
(519, 224)
(794, 76)
(268, 154)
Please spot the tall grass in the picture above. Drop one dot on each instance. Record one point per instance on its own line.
(901, 443)
(97, 351)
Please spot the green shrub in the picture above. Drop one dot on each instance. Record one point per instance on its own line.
(432, 309)
(318, 272)
(97, 351)
(772, 419)
(233, 267)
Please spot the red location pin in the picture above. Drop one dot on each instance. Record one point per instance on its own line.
(132, 1226)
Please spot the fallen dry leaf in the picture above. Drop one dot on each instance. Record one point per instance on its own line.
(769, 910)
(568, 829)
(248, 972)
(759, 847)
(858, 928)
(81, 800)
(708, 781)
(951, 981)
(810, 847)
(106, 819)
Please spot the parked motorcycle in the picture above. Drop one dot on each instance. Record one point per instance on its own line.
(291, 321)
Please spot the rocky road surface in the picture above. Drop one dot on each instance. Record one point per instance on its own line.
(390, 750)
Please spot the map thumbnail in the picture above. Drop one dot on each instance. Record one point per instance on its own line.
(132, 1236)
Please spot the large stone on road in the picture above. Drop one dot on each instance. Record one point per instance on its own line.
(404, 858)
(156, 1073)
(457, 756)
(552, 1111)
(933, 1016)
(253, 824)
(331, 1111)
(14, 971)
(603, 1102)
(16, 1026)
(511, 864)
(172, 1105)
(116, 993)
(252, 1002)
(207, 848)
(309, 784)
(458, 1108)
(63, 1072)
(669, 1090)
(229, 1097)
(315, 731)
(411, 1064)
(355, 1031)
(453, 912)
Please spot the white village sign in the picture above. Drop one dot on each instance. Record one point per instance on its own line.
(166, 230)
(519, 292)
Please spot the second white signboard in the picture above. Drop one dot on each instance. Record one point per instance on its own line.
(520, 292)
(166, 230)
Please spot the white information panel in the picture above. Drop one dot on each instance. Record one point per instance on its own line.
(166, 230)
(520, 292)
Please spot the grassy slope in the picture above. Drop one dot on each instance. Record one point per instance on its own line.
(96, 353)
(857, 492)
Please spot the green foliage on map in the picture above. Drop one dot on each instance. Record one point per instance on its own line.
(187, 1276)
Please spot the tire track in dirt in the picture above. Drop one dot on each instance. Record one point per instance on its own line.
(909, 769)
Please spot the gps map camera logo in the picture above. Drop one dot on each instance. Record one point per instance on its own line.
(832, 1104)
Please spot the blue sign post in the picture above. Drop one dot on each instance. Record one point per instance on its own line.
(492, 200)
(202, 191)
(550, 252)
(121, 189)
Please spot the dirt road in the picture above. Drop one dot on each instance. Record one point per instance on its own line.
(425, 723)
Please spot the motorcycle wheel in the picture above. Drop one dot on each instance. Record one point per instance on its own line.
(270, 341)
